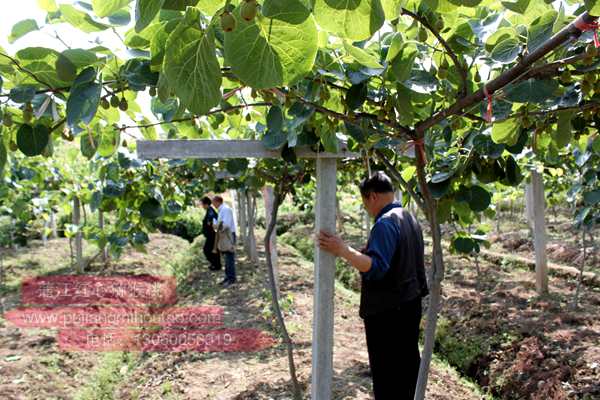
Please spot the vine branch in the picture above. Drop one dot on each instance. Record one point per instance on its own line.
(565, 35)
(459, 65)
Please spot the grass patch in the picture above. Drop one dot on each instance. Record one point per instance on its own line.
(106, 376)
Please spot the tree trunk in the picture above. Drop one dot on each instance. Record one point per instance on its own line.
(53, 230)
(11, 234)
(45, 232)
(269, 198)
(104, 249)
(273, 286)
(436, 277)
(242, 209)
(251, 204)
(575, 303)
(78, 236)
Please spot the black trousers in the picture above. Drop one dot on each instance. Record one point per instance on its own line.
(213, 258)
(393, 346)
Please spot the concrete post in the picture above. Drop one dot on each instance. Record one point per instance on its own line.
(539, 232)
(322, 339)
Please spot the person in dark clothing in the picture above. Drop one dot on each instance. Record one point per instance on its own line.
(392, 270)
(209, 232)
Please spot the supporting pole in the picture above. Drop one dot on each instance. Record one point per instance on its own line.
(269, 197)
(530, 205)
(539, 232)
(235, 211)
(322, 339)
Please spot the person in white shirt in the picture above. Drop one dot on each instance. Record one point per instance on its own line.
(226, 217)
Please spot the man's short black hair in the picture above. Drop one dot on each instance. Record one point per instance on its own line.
(379, 182)
(206, 200)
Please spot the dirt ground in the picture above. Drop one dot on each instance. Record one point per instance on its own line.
(32, 366)
(529, 347)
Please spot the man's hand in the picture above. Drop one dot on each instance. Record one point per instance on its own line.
(332, 243)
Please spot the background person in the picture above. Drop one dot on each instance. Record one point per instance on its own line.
(208, 231)
(393, 282)
(227, 222)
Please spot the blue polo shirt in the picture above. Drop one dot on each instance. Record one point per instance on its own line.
(383, 241)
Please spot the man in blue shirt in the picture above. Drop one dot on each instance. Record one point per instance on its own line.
(393, 279)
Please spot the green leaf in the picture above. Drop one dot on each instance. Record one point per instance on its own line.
(403, 63)
(179, 5)
(109, 142)
(506, 132)
(80, 19)
(104, 8)
(564, 131)
(145, 11)
(277, 48)
(596, 145)
(532, 91)
(506, 51)
(3, 158)
(22, 94)
(121, 17)
(438, 190)
(151, 209)
(499, 35)
(274, 140)
(83, 98)
(89, 141)
(391, 8)
(32, 140)
(65, 69)
(592, 198)
(330, 141)
(408, 173)
(350, 19)
(356, 132)
(21, 29)
(464, 245)
(275, 119)
(210, 7)
(396, 45)
(361, 56)
(80, 58)
(480, 199)
(513, 172)
(236, 165)
(593, 7)
(356, 96)
(518, 6)
(192, 68)
(465, 3)
(48, 5)
(140, 238)
(541, 30)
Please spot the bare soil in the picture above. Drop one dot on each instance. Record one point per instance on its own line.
(32, 366)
